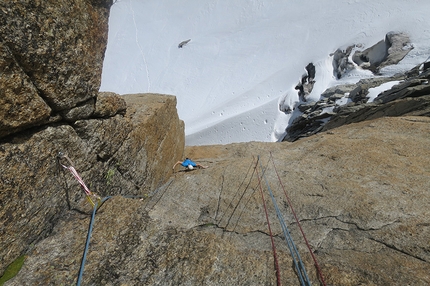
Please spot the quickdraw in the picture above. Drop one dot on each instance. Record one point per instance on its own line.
(63, 157)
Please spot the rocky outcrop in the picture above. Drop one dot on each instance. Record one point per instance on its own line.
(306, 83)
(410, 97)
(51, 57)
(125, 154)
(359, 191)
(389, 51)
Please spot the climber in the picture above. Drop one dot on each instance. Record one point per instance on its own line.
(189, 164)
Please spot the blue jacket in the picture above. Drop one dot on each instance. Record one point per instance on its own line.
(188, 162)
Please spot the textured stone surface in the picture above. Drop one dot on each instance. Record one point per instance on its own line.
(20, 104)
(50, 50)
(109, 104)
(360, 192)
(399, 46)
(389, 51)
(125, 154)
(51, 56)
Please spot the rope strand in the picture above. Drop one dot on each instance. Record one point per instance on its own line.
(298, 223)
(87, 243)
(275, 257)
(297, 260)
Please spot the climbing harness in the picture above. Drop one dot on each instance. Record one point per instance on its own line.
(298, 223)
(297, 260)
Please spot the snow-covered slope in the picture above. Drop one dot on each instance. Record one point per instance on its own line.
(245, 56)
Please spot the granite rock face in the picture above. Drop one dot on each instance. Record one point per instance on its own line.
(51, 57)
(359, 191)
(128, 154)
(21, 105)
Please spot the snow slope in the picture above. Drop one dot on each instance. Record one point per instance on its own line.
(244, 57)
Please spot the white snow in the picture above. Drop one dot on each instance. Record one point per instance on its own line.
(245, 56)
(374, 92)
(344, 100)
(327, 110)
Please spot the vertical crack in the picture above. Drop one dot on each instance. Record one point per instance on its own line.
(219, 197)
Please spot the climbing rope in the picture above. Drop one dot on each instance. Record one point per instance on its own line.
(90, 230)
(298, 263)
(294, 252)
(98, 203)
(87, 243)
(275, 257)
(298, 223)
(241, 195)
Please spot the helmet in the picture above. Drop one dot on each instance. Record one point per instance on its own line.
(190, 167)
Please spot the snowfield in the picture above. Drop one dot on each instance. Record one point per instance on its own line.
(244, 57)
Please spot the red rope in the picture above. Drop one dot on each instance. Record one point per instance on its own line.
(298, 223)
(275, 257)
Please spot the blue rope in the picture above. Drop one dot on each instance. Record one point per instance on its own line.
(297, 260)
(90, 230)
(87, 244)
(98, 204)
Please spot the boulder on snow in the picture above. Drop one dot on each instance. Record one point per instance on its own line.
(306, 83)
(340, 61)
(389, 51)
(399, 46)
(183, 43)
